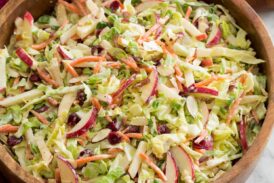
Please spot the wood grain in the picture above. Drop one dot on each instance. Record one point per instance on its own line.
(245, 16)
(261, 5)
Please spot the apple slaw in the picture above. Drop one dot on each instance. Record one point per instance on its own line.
(130, 91)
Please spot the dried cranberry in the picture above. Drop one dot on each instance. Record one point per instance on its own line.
(12, 140)
(96, 49)
(114, 138)
(162, 129)
(206, 144)
(81, 97)
(34, 78)
(73, 119)
(133, 129)
(42, 109)
(112, 126)
(86, 152)
(114, 5)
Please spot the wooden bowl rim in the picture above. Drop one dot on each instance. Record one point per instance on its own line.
(258, 145)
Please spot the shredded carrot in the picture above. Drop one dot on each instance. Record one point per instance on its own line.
(202, 151)
(154, 167)
(70, 69)
(207, 62)
(70, 7)
(124, 137)
(87, 59)
(115, 65)
(130, 62)
(147, 69)
(44, 44)
(166, 49)
(234, 107)
(81, 161)
(188, 12)
(134, 135)
(179, 85)
(115, 151)
(81, 142)
(242, 79)
(97, 68)
(208, 81)
(8, 128)
(43, 75)
(149, 32)
(95, 102)
(178, 71)
(80, 6)
(40, 117)
(201, 37)
(52, 101)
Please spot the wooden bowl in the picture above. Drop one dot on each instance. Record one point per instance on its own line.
(246, 18)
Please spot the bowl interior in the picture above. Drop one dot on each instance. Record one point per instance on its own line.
(245, 17)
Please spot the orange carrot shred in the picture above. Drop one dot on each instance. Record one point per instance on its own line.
(8, 128)
(70, 7)
(47, 78)
(114, 151)
(178, 71)
(208, 81)
(87, 59)
(134, 135)
(234, 107)
(70, 69)
(97, 68)
(188, 12)
(81, 161)
(52, 101)
(201, 37)
(154, 167)
(130, 62)
(80, 6)
(124, 137)
(40, 117)
(95, 102)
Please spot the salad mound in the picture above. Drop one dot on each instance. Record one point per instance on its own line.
(130, 91)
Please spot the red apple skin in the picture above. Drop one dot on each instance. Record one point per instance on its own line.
(28, 16)
(170, 159)
(204, 90)
(68, 164)
(86, 126)
(22, 54)
(216, 39)
(124, 86)
(63, 53)
(187, 159)
(154, 80)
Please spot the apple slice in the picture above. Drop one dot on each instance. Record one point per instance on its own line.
(25, 57)
(171, 169)
(183, 161)
(214, 36)
(150, 89)
(28, 17)
(101, 135)
(86, 122)
(204, 90)
(64, 53)
(67, 172)
(136, 162)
